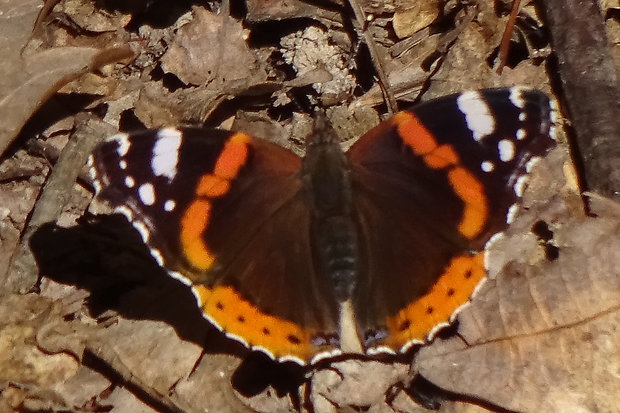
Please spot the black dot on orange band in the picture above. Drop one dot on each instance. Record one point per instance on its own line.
(219, 305)
(266, 331)
(293, 339)
(450, 292)
(429, 310)
(404, 325)
(468, 274)
(241, 319)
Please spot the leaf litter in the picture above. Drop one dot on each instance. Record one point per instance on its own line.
(96, 333)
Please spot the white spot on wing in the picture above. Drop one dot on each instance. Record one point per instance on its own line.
(373, 351)
(293, 359)
(520, 185)
(478, 116)
(512, 213)
(495, 238)
(553, 132)
(431, 334)
(506, 149)
(407, 346)
(129, 182)
(516, 96)
(262, 349)
(166, 153)
(555, 112)
(146, 192)
(487, 166)
(323, 356)
(531, 163)
(143, 230)
(122, 139)
(521, 134)
(121, 209)
(158, 257)
(169, 205)
(122, 164)
(178, 276)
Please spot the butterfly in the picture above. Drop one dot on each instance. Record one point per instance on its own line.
(373, 250)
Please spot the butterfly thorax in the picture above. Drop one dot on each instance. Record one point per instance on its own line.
(327, 186)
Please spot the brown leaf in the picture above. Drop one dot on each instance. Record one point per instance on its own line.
(88, 17)
(20, 358)
(414, 15)
(269, 10)
(28, 81)
(540, 333)
(200, 55)
(542, 336)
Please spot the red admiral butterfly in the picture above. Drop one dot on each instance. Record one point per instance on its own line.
(386, 241)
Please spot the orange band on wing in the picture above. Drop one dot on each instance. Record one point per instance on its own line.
(471, 191)
(196, 217)
(212, 186)
(414, 134)
(193, 224)
(233, 156)
(452, 290)
(442, 157)
(235, 315)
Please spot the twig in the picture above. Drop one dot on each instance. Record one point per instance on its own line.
(505, 43)
(591, 89)
(47, 8)
(22, 274)
(360, 16)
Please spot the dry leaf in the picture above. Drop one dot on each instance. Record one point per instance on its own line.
(20, 358)
(414, 15)
(540, 333)
(28, 81)
(88, 17)
(542, 336)
(198, 55)
(269, 10)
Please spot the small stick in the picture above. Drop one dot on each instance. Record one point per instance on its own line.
(22, 273)
(360, 16)
(505, 43)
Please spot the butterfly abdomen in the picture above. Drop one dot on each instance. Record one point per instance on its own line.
(338, 250)
(327, 186)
